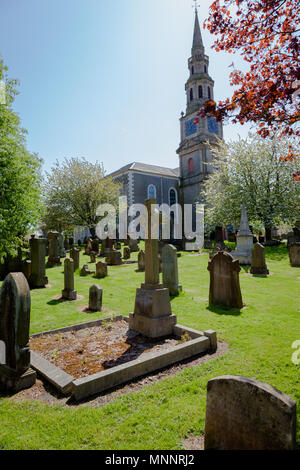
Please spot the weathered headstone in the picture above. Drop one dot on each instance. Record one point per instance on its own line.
(133, 245)
(15, 373)
(75, 255)
(93, 256)
(38, 263)
(224, 281)
(294, 253)
(27, 269)
(69, 293)
(66, 244)
(95, 298)
(113, 258)
(62, 251)
(85, 270)
(88, 247)
(152, 315)
(141, 261)
(95, 246)
(258, 263)
(170, 269)
(245, 414)
(126, 252)
(101, 269)
(219, 236)
(103, 247)
(244, 241)
(54, 252)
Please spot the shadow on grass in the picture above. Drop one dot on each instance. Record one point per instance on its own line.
(221, 310)
(55, 301)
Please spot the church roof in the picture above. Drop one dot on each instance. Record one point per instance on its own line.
(145, 168)
(197, 40)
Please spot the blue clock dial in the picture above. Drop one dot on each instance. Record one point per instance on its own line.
(212, 125)
(190, 127)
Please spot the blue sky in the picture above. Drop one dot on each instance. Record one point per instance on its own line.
(103, 79)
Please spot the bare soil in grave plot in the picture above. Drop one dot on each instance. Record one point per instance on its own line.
(90, 350)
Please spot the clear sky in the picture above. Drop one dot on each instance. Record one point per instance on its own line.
(105, 79)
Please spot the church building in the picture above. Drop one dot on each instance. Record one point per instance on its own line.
(184, 184)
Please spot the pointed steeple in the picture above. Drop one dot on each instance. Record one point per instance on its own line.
(197, 40)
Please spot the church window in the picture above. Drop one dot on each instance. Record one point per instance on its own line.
(193, 70)
(208, 92)
(151, 191)
(200, 91)
(191, 165)
(205, 69)
(191, 94)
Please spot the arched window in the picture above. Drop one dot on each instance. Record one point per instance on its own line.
(208, 92)
(172, 197)
(205, 69)
(193, 70)
(191, 165)
(200, 91)
(191, 94)
(151, 191)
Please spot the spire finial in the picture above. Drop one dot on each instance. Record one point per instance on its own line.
(195, 6)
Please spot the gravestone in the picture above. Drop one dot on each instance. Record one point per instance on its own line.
(133, 245)
(113, 258)
(95, 298)
(15, 372)
(258, 264)
(88, 247)
(126, 252)
(95, 245)
(71, 242)
(66, 244)
(219, 246)
(69, 293)
(85, 270)
(141, 261)
(103, 247)
(101, 269)
(152, 315)
(54, 251)
(224, 281)
(93, 256)
(244, 241)
(245, 414)
(294, 253)
(170, 269)
(37, 276)
(75, 255)
(219, 236)
(62, 251)
(27, 269)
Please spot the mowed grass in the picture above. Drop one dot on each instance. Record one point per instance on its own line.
(159, 416)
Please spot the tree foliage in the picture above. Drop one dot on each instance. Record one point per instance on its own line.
(251, 173)
(20, 175)
(73, 190)
(266, 34)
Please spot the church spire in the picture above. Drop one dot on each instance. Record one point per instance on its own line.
(197, 40)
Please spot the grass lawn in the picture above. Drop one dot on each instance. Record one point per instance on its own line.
(161, 415)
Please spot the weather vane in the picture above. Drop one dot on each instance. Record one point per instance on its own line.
(195, 6)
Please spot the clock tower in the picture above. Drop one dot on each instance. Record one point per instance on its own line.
(195, 137)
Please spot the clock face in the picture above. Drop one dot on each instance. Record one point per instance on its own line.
(212, 125)
(190, 127)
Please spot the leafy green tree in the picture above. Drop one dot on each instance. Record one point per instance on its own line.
(20, 174)
(253, 172)
(73, 190)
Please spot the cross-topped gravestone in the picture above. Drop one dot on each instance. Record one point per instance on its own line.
(15, 374)
(152, 315)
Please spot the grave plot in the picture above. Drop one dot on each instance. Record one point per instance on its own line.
(86, 359)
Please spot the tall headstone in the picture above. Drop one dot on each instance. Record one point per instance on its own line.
(15, 372)
(294, 253)
(141, 261)
(95, 298)
(68, 292)
(88, 247)
(62, 251)
(93, 256)
(219, 236)
(75, 255)
(95, 245)
(244, 241)
(152, 315)
(245, 414)
(54, 251)
(258, 264)
(126, 252)
(37, 276)
(170, 269)
(224, 281)
(101, 269)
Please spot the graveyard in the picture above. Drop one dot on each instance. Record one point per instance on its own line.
(253, 341)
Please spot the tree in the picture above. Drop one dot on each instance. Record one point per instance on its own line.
(251, 173)
(266, 33)
(20, 174)
(73, 191)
